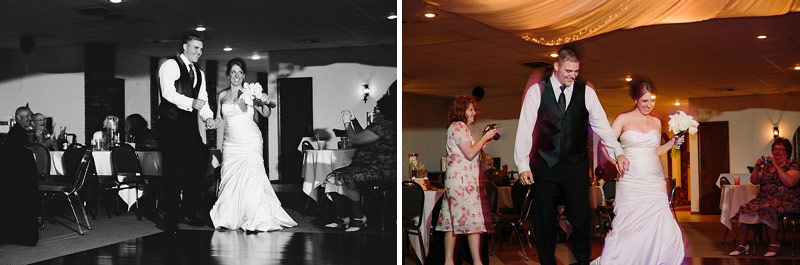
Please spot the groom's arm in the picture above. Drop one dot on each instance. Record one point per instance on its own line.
(599, 123)
(527, 119)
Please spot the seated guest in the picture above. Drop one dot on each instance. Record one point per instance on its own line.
(499, 177)
(138, 133)
(22, 132)
(43, 136)
(374, 163)
(778, 194)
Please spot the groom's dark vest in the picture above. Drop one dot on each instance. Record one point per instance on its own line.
(169, 111)
(558, 136)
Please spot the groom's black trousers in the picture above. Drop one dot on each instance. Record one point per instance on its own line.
(569, 181)
(185, 162)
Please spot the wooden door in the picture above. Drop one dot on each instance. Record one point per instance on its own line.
(295, 119)
(713, 154)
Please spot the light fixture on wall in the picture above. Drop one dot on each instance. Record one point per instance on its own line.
(775, 132)
(366, 92)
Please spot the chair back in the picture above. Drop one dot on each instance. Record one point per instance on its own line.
(125, 160)
(87, 161)
(518, 193)
(413, 200)
(72, 159)
(723, 181)
(490, 189)
(673, 187)
(610, 190)
(527, 204)
(42, 156)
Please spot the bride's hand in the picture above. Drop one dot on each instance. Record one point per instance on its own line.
(678, 140)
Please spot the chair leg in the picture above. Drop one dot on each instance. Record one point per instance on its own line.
(43, 212)
(138, 205)
(516, 232)
(724, 236)
(794, 228)
(83, 208)
(74, 214)
(422, 247)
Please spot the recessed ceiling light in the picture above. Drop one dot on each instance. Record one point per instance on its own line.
(200, 28)
(115, 1)
(554, 55)
(628, 79)
(677, 102)
(392, 15)
(653, 97)
(227, 49)
(761, 37)
(797, 67)
(430, 14)
(255, 56)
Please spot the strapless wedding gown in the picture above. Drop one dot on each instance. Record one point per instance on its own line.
(644, 230)
(246, 199)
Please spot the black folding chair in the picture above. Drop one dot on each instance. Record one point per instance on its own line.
(51, 190)
(126, 166)
(516, 221)
(413, 205)
(42, 156)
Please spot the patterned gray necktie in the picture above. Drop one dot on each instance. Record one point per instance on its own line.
(562, 100)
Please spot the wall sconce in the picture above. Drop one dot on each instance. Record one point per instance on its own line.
(775, 132)
(366, 92)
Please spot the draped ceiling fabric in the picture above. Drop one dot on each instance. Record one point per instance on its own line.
(556, 22)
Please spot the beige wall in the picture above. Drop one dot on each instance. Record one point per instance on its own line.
(51, 80)
(750, 121)
(338, 76)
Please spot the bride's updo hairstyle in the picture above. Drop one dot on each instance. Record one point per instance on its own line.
(236, 61)
(640, 85)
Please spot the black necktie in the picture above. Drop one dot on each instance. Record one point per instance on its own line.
(562, 100)
(191, 72)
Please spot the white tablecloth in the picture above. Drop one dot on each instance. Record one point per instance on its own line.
(732, 197)
(431, 196)
(596, 197)
(744, 178)
(317, 164)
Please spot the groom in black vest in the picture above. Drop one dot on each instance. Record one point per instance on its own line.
(550, 152)
(184, 155)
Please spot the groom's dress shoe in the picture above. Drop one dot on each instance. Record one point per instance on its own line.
(193, 220)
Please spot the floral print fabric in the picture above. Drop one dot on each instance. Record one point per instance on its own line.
(773, 197)
(461, 209)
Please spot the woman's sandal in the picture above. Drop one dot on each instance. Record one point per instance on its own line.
(740, 250)
(357, 224)
(771, 253)
(340, 223)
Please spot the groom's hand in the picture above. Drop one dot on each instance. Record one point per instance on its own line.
(210, 124)
(198, 103)
(622, 164)
(526, 178)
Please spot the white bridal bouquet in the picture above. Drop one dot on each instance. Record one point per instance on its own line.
(251, 91)
(680, 123)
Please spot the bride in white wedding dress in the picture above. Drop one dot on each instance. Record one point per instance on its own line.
(644, 230)
(245, 199)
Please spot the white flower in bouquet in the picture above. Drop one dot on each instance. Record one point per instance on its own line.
(251, 91)
(680, 123)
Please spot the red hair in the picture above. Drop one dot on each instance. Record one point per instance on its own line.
(458, 110)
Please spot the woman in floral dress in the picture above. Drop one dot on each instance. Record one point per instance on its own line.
(778, 194)
(462, 213)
